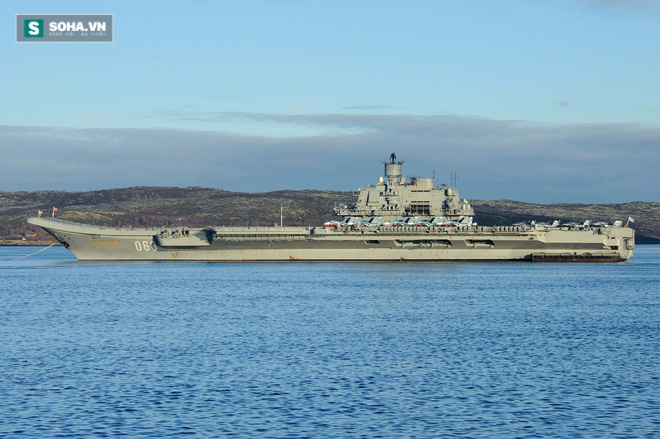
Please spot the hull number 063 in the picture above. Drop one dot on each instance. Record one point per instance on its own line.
(145, 246)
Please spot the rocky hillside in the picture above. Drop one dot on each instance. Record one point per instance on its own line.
(195, 206)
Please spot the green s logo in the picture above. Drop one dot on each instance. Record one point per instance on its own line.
(33, 28)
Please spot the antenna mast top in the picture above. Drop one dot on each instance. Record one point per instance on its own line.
(454, 178)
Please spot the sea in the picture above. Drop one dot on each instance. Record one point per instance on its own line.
(298, 350)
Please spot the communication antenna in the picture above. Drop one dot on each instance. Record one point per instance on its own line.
(454, 179)
(281, 211)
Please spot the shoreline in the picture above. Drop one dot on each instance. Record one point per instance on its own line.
(19, 243)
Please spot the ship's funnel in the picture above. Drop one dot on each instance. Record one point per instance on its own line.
(393, 169)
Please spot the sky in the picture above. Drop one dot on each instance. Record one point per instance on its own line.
(547, 101)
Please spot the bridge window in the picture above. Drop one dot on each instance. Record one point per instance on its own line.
(422, 208)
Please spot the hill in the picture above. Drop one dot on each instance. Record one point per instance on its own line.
(196, 206)
(646, 214)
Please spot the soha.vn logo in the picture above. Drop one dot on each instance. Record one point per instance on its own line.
(33, 28)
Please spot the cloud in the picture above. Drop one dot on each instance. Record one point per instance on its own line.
(494, 158)
(368, 107)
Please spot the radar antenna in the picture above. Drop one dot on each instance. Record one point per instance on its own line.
(393, 169)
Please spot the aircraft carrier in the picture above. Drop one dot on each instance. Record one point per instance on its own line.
(391, 220)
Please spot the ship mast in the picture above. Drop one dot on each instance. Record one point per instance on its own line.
(393, 170)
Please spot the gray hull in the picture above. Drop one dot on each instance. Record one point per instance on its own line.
(95, 243)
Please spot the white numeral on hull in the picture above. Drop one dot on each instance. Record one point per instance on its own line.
(145, 246)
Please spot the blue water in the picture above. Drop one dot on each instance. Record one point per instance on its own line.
(328, 350)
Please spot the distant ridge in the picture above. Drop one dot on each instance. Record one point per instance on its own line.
(196, 206)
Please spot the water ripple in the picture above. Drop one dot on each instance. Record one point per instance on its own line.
(348, 350)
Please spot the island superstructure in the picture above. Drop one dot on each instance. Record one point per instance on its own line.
(392, 198)
(395, 219)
